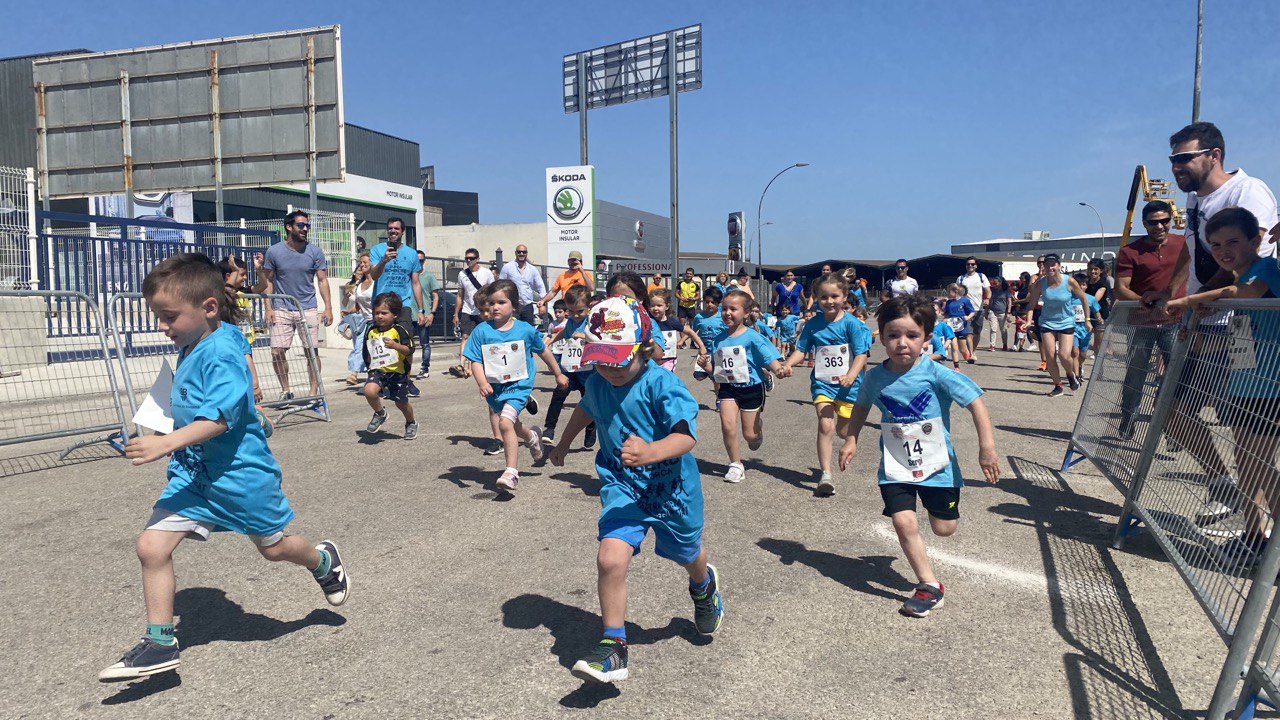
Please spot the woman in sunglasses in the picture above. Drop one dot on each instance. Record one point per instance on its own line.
(1058, 321)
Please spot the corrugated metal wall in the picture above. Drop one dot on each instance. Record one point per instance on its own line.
(378, 155)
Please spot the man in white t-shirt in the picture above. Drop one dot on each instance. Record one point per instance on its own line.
(466, 316)
(902, 284)
(978, 289)
(1197, 159)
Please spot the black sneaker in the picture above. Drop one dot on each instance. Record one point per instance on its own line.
(376, 422)
(413, 390)
(590, 440)
(1056, 391)
(606, 663)
(1238, 556)
(1074, 382)
(337, 583)
(549, 436)
(768, 382)
(926, 599)
(146, 658)
(495, 447)
(708, 607)
(532, 405)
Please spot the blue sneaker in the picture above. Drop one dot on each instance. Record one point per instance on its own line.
(708, 606)
(146, 658)
(925, 600)
(606, 663)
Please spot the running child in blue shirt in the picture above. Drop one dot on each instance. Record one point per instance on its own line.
(570, 340)
(649, 478)
(917, 459)
(841, 345)
(738, 357)
(943, 341)
(960, 310)
(708, 324)
(1084, 333)
(501, 352)
(659, 307)
(388, 352)
(221, 473)
(787, 324)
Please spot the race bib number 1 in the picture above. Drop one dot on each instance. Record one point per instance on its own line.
(380, 355)
(505, 362)
(731, 365)
(831, 362)
(571, 358)
(914, 451)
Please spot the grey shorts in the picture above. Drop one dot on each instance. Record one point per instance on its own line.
(468, 322)
(198, 529)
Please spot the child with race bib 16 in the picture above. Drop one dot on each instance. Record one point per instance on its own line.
(840, 344)
(648, 477)
(222, 475)
(738, 356)
(917, 460)
(501, 351)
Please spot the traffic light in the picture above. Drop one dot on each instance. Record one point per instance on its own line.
(737, 231)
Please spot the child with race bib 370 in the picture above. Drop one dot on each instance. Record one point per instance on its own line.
(917, 459)
(840, 344)
(501, 351)
(738, 356)
(222, 476)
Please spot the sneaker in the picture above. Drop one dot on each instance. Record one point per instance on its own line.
(606, 663)
(424, 374)
(532, 405)
(337, 583)
(549, 436)
(1044, 366)
(509, 479)
(1237, 556)
(1056, 391)
(825, 488)
(1074, 382)
(768, 382)
(535, 444)
(735, 474)
(957, 364)
(589, 441)
(413, 389)
(992, 348)
(352, 378)
(1213, 512)
(286, 396)
(376, 421)
(146, 658)
(411, 431)
(708, 606)
(754, 446)
(970, 360)
(699, 375)
(925, 600)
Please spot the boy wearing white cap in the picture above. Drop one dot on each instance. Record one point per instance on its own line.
(646, 422)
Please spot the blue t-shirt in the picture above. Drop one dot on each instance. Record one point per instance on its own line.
(759, 352)
(859, 298)
(397, 275)
(1094, 310)
(232, 480)
(790, 297)
(787, 327)
(959, 308)
(1262, 380)
(922, 394)
(647, 407)
(942, 332)
(486, 334)
(763, 329)
(295, 272)
(708, 328)
(846, 330)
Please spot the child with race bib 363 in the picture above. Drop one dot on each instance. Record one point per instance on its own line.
(738, 356)
(501, 351)
(388, 347)
(840, 344)
(917, 459)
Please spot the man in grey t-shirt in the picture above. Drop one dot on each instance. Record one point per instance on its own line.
(292, 268)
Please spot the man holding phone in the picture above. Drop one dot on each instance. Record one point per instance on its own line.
(395, 269)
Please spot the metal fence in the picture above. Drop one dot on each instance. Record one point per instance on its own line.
(334, 233)
(17, 226)
(1184, 418)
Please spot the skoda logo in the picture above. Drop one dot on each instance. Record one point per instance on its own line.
(568, 203)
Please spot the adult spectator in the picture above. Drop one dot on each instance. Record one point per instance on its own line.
(656, 283)
(1100, 287)
(396, 270)
(1149, 270)
(742, 283)
(466, 316)
(430, 285)
(902, 283)
(688, 294)
(528, 279)
(998, 314)
(575, 275)
(790, 293)
(722, 283)
(294, 267)
(357, 313)
(978, 290)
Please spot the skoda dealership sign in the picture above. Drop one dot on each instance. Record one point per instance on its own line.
(571, 223)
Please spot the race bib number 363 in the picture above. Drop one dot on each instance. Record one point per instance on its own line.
(831, 362)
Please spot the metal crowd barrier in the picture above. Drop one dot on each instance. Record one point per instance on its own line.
(55, 387)
(1184, 418)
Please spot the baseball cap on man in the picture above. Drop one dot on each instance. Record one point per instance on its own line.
(615, 329)
(575, 255)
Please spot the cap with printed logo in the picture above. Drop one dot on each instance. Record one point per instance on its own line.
(615, 330)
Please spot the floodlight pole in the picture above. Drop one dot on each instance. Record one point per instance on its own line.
(582, 108)
(1102, 234)
(673, 91)
(760, 206)
(1195, 96)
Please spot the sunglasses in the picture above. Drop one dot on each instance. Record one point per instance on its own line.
(902, 267)
(472, 258)
(1183, 158)
(302, 226)
(971, 264)
(1165, 221)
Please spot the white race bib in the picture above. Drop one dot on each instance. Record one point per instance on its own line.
(571, 358)
(672, 339)
(914, 451)
(1079, 311)
(380, 355)
(1241, 351)
(957, 324)
(505, 362)
(731, 365)
(772, 322)
(830, 362)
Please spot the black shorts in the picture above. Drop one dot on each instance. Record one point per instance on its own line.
(941, 502)
(1259, 416)
(687, 313)
(395, 386)
(468, 322)
(749, 398)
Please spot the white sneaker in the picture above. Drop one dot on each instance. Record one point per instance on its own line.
(735, 474)
(535, 443)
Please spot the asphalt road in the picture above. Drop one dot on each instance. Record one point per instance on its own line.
(467, 604)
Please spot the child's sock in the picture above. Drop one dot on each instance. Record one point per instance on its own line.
(934, 584)
(618, 633)
(513, 471)
(700, 587)
(322, 569)
(161, 633)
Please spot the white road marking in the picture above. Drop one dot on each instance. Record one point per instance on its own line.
(1020, 578)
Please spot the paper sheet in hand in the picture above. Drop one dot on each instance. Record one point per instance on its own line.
(155, 413)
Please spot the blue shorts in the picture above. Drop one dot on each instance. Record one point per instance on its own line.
(502, 396)
(1083, 339)
(676, 539)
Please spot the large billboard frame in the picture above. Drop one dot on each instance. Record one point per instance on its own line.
(246, 111)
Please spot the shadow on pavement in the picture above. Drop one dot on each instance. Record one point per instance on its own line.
(479, 443)
(588, 484)
(1039, 393)
(1034, 432)
(35, 462)
(144, 688)
(207, 614)
(806, 480)
(855, 573)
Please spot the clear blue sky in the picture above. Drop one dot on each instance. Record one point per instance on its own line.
(927, 123)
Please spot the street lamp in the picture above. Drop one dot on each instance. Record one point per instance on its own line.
(1102, 234)
(760, 205)
(756, 236)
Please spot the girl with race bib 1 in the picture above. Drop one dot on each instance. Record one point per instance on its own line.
(840, 344)
(501, 352)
